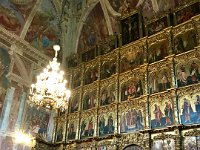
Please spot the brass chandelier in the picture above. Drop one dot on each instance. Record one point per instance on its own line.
(50, 89)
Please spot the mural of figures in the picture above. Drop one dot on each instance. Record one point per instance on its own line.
(187, 13)
(157, 26)
(74, 104)
(60, 132)
(185, 42)
(108, 95)
(87, 128)
(157, 52)
(37, 121)
(132, 88)
(71, 130)
(106, 125)
(159, 81)
(108, 69)
(190, 109)
(4, 69)
(188, 73)
(89, 100)
(94, 29)
(191, 143)
(76, 80)
(131, 120)
(130, 29)
(133, 147)
(131, 61)
(13, 14)
(91, 75)
(126, 6)
(162, 115)
(166, 144)
(44, 32)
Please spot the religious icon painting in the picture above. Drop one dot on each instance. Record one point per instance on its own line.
(89, 55)
(132, 56)
(108, 65)
(77, 77)
(104, 147)
(88, 124)
(161, 110)
(107, 121)
(187, 72)
(189, 105)
(159, 78)
(108, 91)
(130, 28)
(91, 73)
(191, 139)
(186, 40)
(187, 12)
(107, 46)
(132, 115)
(132, 84)
(157, 25)
(60, 130)
(158, 46)
(72, 61)
(89, 99)
(75, 101)
(72, 127)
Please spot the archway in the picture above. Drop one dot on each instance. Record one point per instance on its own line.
(133, 147)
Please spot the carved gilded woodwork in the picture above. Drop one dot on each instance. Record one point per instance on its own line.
(167, 140)
(134, 138)
(132, 55)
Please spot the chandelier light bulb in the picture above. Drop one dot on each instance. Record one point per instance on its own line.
(56, 47)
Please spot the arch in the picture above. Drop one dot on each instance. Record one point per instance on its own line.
(133, 147)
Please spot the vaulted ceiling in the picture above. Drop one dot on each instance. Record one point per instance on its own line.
(74, 24)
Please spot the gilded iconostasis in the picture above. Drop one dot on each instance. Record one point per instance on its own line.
(132, 66)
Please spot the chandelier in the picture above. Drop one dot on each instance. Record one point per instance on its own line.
(50, 89)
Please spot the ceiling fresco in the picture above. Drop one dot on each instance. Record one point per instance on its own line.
(44, 31)
(14, 13)
(94, 29)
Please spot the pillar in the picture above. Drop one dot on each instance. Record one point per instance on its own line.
(6, 109)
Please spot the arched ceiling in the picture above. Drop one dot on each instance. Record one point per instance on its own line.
(75, 24)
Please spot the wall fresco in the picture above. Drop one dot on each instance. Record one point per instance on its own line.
(94, 30)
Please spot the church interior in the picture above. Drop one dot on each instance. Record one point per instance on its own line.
(132, 70)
